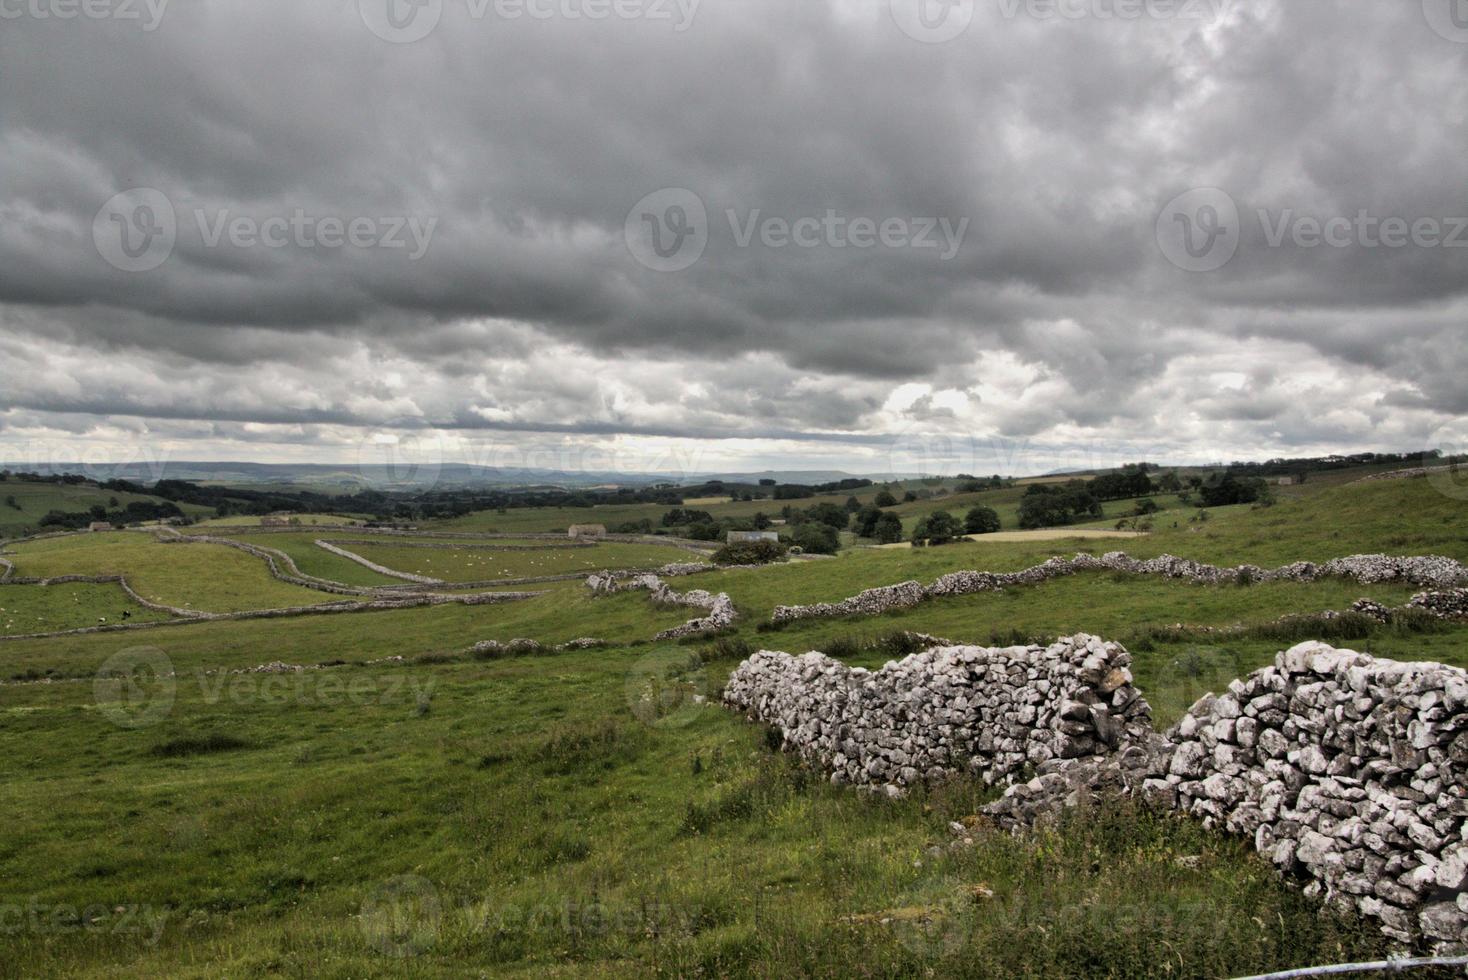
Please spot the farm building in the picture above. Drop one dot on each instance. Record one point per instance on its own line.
(99, 526)
(751, 537)
(579, 531)
(275, 520)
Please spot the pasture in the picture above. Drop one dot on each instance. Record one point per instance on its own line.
(410, 808)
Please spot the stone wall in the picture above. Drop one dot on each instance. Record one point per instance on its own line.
(1430, 570)
(373, 566)
(987, 712)
(721, 611)
(1348, 771)
(1351, 769)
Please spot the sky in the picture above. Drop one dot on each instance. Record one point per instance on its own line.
(879, 236)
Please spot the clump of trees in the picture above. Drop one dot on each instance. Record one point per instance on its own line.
(1221, 491)
(750, 553)
(981, 520)
(1056, 505)
(873, 522)
(937, 528)
(816, 538)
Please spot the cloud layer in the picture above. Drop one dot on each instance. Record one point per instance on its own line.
(895, 239)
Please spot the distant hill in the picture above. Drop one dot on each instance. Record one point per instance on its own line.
(803, 477)
(343, 476)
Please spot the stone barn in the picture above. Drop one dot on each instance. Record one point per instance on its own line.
(753, 537)
(592, 531)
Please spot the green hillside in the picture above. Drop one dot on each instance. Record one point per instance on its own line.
(582, 814)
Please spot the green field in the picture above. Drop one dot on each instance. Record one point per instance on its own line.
(530, 817)
(34, 501)
(310, 559)
(26, 609)
(489, 564)
(198, 577)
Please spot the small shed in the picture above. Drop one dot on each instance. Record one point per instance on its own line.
(592, 531)
(753, 537)
(99, 526)
(275, 520)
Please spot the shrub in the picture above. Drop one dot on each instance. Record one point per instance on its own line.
(817, 539)
(937, 528)
(750, 553)
(888, 529)
(981, 520)
(198, 745)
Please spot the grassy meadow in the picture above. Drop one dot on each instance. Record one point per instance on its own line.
(595, 813)
(23, 504)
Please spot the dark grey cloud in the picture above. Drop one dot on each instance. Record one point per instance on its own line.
(524, 143)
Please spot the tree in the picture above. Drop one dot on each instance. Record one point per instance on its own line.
(1048, 505)
(10, 502)
(885, 499)
(815, 538)
(888, 529)
(937, 528)
(981, 520)
(1229, 489)
(831, 514)
(909, 497)
(1146, 506)
(865, 521)
(852, 505)
(749, 553)
(768, 483)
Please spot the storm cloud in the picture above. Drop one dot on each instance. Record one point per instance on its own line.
(782, 232)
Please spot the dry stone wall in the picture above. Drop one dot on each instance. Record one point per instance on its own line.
(721, 612)
(373, 566)
(1430, 570)
(1344, 769)
(987, 712)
